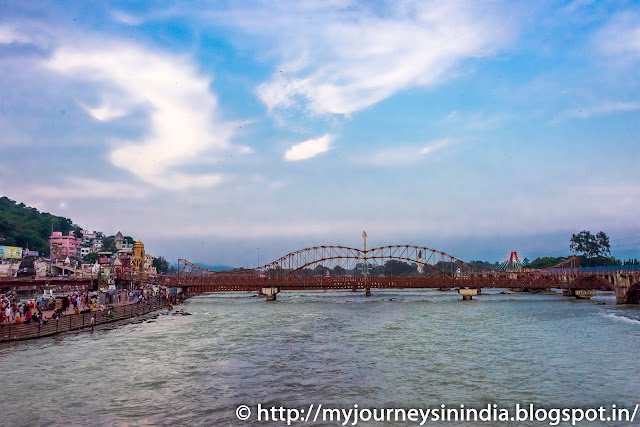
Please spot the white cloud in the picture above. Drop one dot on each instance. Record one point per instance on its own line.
(183, 113)
(105, 112)
(577, 4)
(433, 146)
(342, 61)
(79, 187)
(8, 35)
(25, 33)
(620, 37)
(602, 109)
(307, 149)
(12, 34)
(245, 149)
(125, 18)
(403, 155)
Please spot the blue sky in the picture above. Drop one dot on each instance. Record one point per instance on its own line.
(212, 129)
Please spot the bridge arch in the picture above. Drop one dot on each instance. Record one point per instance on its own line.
(430, 261)
(593, 282)
(336, 261)
(633, 294)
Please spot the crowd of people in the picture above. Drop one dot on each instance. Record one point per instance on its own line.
(13, 310)
(43, 308)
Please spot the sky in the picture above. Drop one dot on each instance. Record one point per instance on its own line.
(233, 133)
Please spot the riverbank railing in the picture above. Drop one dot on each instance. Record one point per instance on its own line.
(75, 322)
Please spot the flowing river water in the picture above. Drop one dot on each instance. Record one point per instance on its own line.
(395, 349)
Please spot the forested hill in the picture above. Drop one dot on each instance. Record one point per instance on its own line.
(26, 227)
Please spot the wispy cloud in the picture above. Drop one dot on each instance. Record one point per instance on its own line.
(184, 122)
(620, 38)
(9, 35)
(80, 187)
(403, 155)
(126, 18)
(340, 61)
(603, 109)
(477, 121)
(309, 148)
(105, 112)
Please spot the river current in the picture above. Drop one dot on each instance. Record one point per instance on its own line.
(395, 349)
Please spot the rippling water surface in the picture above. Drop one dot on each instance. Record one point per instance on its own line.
(395, 349)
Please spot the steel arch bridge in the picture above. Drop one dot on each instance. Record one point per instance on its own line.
(340, 267)
(331, 267)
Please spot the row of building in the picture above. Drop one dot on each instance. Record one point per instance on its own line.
(67, 253)
(78, 247)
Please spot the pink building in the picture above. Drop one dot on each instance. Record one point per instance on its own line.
(64, 246)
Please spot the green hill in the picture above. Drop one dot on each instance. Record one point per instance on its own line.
(26, 227)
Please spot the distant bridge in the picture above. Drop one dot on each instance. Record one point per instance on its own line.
(339, 267)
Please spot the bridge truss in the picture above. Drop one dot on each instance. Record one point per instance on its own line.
(339, 267)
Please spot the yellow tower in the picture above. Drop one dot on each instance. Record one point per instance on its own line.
(138, 256)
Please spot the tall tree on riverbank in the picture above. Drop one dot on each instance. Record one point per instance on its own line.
(589, 245)
(161, 264)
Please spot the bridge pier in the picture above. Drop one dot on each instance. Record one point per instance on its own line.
(271, 292)
(622, 283)
(579, 293)
(367, 292)
(585, 293)
(467, 294)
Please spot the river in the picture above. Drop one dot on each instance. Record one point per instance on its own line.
(395, 349)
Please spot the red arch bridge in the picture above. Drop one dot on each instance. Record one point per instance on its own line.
(339, 267)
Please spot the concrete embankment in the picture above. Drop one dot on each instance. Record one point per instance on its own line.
(76, 322)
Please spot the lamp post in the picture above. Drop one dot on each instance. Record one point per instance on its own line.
(365, 269)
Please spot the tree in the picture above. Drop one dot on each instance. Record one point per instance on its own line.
(91, 258)
(397, 267)
(24, 226)
(339, 271)
(604, 248)
(483, 264)
(109, 244)
(545, 262)
(321, 270)
(589, 245)
(161, 264)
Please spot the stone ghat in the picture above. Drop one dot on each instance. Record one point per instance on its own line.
(75, 322)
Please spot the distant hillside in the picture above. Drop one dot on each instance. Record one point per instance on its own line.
(215, 267)
(26, 227)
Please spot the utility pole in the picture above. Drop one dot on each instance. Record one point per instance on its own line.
(365, 268)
